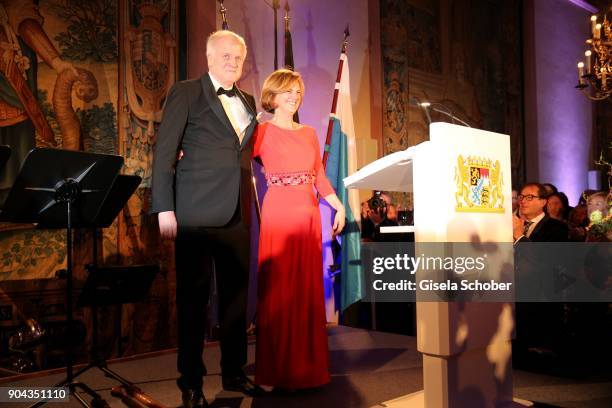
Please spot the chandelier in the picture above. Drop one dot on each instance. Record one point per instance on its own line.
(594, 75)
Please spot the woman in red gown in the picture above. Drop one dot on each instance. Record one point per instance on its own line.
(291, 334)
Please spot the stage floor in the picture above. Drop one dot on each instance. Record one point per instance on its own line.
(367, 368)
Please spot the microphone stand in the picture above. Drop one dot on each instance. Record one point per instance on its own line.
(416, 101)
(449, 114)
(426, 105)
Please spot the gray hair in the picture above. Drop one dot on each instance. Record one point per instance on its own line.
(217, 35)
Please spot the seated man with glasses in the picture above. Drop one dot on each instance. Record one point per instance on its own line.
(533, 224)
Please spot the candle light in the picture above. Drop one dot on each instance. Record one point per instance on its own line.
(580, 73)
(593, 23)
(597, 32)
(587, 55)
(603, 78)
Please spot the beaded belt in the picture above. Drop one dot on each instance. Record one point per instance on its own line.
(290, 179)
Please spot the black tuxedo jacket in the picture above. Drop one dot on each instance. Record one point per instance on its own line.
(548, 230)
(214, 175)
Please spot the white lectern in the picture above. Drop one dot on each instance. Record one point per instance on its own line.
(461, 183)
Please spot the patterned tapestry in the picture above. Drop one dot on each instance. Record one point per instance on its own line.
(148, 68)
(67, 83)
(58, 90)
(466, 57)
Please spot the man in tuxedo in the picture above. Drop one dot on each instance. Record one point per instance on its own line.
(534, 225)
(203, 202)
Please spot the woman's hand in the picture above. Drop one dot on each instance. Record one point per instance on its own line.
(339, 221)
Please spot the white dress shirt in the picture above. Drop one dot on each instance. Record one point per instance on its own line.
(235, 109)
(534, 223)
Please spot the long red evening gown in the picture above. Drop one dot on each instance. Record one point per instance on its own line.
(291, 334)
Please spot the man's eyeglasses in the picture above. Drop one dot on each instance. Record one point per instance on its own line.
(527, 197)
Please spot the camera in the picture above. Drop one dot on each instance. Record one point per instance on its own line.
(378, 205)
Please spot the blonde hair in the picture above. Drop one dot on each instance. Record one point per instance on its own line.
(217, 35)
(278, 82)
(598, 194)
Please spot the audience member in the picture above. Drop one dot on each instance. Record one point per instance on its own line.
(367, 226)
(534, 225)
(391, 208)
(365, 210)
(537, 323)
(557, 206)
(378, 217)
(515, 201)
(391, 212)
(577, 222)
(597, 205)
(550, 189)
(385, 196)
(583, 197)
(566, 204)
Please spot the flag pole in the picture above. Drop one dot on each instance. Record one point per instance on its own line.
(275, 7)
(289, 63)
(330, 124)
(223, 10)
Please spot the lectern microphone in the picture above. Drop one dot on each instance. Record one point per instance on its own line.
(432, 105)
(423, 105)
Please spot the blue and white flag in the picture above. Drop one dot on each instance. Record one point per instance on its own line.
(342, 162)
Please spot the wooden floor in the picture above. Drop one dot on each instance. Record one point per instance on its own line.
(367, 368)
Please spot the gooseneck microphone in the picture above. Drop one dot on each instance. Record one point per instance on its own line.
(424, 107)
(432, 105)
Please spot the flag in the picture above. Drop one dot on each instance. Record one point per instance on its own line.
(342, 162)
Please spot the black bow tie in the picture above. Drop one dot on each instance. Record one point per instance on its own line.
(228, 92)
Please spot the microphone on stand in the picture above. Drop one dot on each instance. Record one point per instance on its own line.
(424, 106)
(448, 112)
(431, 105)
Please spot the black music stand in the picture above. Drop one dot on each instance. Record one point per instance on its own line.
(63, 188)
(112, 285)
(116, 285)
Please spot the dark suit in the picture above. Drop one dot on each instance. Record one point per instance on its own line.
(538, 324)
(548, 230)
(210, 193)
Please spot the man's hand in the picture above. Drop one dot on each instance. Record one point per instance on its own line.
(167, 224)
(517, 227)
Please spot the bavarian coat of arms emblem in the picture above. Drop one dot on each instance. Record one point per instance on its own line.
(479, 185)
